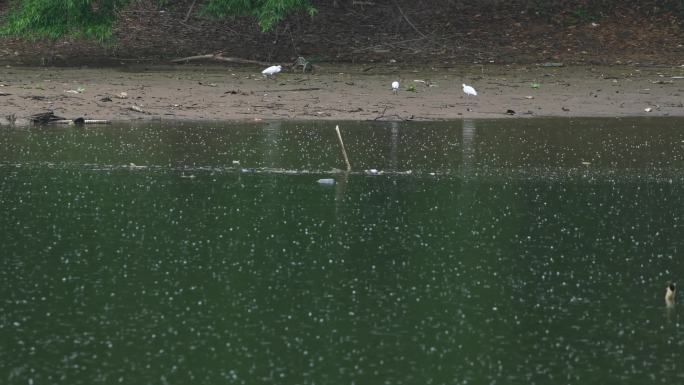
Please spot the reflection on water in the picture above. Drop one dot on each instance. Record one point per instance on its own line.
(531, 251)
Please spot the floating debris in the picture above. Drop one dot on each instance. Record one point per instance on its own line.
(326, 181)
(134, 166)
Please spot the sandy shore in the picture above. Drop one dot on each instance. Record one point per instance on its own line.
(340, 93)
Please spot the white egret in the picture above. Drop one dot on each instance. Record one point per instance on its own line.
(395, 86)
(272, 70)
(469, 90)
(670, 292)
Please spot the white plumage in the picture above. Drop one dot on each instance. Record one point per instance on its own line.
(670, 292)
(395, 86)
(272, 70)
(469, 90)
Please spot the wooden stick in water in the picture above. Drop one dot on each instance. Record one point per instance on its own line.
(344, 152)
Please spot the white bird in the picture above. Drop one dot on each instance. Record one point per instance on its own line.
(395, 86)
(469, 90)
(670, 292)
(272, 70)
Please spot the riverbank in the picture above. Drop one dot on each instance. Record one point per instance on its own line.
(360, 92)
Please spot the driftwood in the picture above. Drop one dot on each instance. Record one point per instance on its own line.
(219, 56)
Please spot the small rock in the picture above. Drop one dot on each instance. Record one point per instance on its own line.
(648, 109)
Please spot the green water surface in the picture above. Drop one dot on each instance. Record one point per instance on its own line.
(480, 252)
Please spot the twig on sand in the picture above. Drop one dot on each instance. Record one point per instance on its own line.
(382, 114)
(344, 152)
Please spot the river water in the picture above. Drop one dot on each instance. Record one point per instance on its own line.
(471, 252)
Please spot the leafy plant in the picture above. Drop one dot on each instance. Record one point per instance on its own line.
(94, 18)
(55, 18)
(266, 12)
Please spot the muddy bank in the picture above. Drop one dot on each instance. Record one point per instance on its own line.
(340, 93)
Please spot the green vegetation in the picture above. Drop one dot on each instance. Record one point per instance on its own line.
(266, 12)
(55, 18)
(94, 18)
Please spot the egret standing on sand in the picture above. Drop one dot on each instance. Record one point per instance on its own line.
(469, 90)
(272, 70)
(395, 87)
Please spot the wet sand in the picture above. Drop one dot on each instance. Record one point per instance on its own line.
(339, 93)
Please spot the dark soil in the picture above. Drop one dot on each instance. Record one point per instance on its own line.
(436, 32)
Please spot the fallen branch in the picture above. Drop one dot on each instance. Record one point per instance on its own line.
(220, 57)
(80, 121)
(292, 90)
(344, 152)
